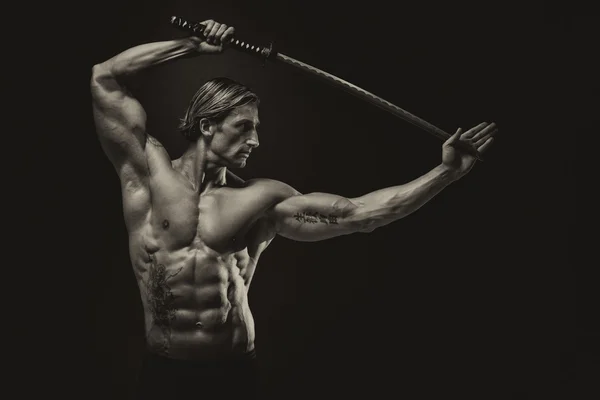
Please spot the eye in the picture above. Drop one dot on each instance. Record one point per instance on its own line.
(248, 126)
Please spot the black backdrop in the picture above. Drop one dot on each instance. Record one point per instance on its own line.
(472, 296)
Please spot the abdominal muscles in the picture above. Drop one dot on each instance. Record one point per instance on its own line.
(195, 304)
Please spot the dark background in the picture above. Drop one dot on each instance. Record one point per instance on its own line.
(472, 296)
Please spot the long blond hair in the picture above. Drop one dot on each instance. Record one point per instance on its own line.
(214, 100)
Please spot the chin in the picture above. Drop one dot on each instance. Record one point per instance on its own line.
(234, 161)
(237, 164)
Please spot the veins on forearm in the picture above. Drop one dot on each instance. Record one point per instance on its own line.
(316, 218)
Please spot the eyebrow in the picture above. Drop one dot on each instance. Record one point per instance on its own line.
(245, 120)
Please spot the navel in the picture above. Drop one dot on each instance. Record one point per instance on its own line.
(165, 224)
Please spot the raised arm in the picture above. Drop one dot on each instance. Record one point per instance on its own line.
(319, 216)
(120, 118)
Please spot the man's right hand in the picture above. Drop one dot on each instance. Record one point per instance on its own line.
(215, 36)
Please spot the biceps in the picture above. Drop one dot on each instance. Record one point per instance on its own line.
(316, 216)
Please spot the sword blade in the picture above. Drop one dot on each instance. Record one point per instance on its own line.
(365, 95)
(373, 99)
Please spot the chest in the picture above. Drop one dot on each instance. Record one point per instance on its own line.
(220, 219)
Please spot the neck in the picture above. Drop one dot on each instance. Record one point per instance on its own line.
(195, 165)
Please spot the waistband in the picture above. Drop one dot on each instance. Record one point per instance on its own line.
(208, 361)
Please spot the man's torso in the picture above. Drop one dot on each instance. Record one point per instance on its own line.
(194, 256)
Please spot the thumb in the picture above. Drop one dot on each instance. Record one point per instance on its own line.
(454, 138)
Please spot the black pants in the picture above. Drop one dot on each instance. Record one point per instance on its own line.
(227, 378)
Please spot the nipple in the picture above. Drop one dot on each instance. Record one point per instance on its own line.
(199, 324)
(165, 224)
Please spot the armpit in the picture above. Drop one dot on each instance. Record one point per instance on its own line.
(263, 230)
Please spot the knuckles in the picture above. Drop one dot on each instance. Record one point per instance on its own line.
(215, 31)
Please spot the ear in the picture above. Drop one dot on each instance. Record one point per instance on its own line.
(207, 128)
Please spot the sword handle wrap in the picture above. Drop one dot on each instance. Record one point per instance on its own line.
(196, 29)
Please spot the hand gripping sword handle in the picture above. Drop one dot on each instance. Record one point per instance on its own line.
(197, 29)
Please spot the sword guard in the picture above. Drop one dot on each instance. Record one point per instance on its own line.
(267, 51)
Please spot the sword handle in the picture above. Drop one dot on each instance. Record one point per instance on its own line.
(196, 29)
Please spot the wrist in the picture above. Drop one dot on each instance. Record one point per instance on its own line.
(448, 173)
(192, 43)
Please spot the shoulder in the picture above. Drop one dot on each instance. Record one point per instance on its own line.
(271, 188)
(270, 192)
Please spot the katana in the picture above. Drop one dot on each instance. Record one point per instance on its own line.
(267, 53)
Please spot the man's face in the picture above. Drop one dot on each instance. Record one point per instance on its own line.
(236, 136)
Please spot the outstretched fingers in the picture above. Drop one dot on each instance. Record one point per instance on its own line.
(489, 130)
(481, 140)
(473, 131)
(485, 145)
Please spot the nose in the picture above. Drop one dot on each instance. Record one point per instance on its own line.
(253, 141)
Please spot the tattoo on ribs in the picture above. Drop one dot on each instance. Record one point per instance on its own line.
(316, 217)
(160, 300)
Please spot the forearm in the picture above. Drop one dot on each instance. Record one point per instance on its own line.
(148, 55)
(384, 206)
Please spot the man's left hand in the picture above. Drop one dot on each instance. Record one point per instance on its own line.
(479, 138)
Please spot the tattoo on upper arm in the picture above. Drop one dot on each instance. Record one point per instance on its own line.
(316, 217)
(153, 141)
